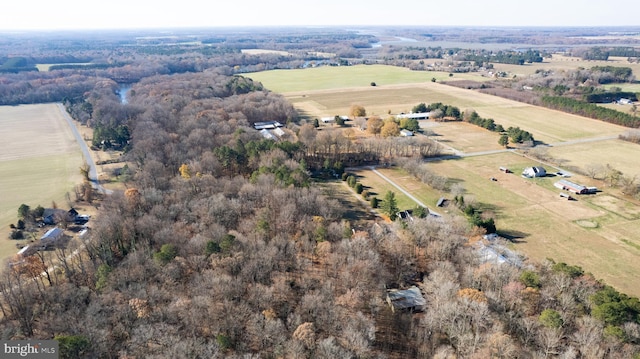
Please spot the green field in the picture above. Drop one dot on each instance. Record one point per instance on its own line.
(39, 163)
(340, 77)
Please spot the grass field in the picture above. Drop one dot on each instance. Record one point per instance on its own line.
(340, 77)
(39, 163)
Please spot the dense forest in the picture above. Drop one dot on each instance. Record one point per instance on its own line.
(224, 245)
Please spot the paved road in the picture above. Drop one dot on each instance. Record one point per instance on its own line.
(93, 171)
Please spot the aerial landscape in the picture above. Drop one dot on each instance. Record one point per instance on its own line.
(209, 186)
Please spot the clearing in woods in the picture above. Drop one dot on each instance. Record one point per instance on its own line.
(39, 163)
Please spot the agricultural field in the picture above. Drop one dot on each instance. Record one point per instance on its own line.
(330, 92)
(39, 163)
(341, 77)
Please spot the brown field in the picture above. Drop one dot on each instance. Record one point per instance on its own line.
(39, 163)
(462, 136)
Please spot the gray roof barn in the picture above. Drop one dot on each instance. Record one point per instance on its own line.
(53, 234)
(409, 299)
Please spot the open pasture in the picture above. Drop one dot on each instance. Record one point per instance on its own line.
(39, 163)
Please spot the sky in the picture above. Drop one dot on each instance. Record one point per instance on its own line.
(128, 14)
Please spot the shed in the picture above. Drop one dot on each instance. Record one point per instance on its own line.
(536, 171)
(408, 299)
(441, 202)
(406, 133)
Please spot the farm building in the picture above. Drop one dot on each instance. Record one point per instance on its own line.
(267, 135)
(565, 185)
(531, 172)
(269, 125)
(406, 133)
(52, 235)
(408, 299)
(333, 119)
(415, 116)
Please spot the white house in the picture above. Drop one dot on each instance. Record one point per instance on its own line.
(536, 171)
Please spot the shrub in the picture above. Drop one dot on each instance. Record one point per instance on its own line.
(530, 279)
(212, 247)
(166, 254)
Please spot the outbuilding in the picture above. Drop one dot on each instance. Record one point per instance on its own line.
(565, 185)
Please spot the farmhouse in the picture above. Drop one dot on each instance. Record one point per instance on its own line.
(408, 299)
(565, 185)
(531, 172)
(53, 216)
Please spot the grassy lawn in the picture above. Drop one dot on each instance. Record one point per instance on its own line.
(39, 163)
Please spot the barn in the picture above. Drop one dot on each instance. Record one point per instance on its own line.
(565, 185)
(536, 171)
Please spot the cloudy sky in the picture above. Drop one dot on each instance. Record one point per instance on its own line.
(117, 14)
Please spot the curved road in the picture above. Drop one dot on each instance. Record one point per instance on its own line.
(93, 171)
